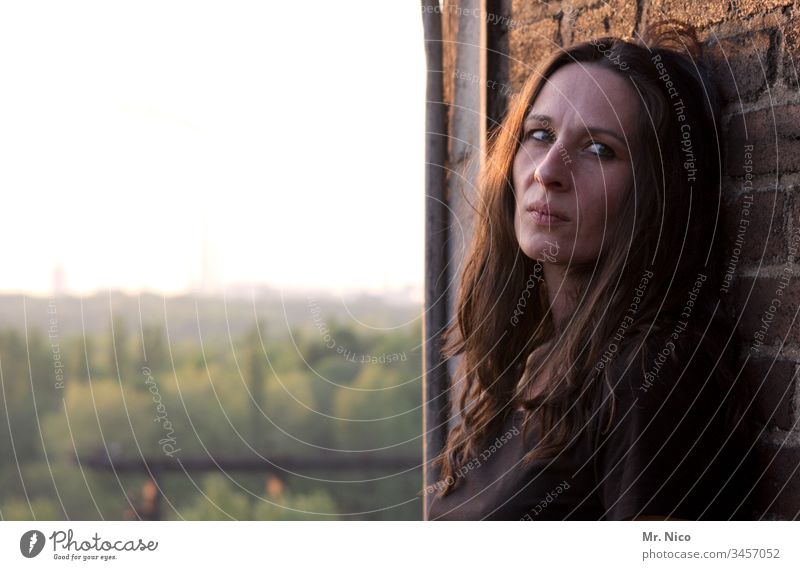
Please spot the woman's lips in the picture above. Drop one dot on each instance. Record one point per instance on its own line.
(543, 219)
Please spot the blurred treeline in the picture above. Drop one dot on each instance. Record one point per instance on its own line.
(85, 377)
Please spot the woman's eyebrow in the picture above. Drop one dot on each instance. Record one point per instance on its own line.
(591, 130)
(538, 117)
(602, 131)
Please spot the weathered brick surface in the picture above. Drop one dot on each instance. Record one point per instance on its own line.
(772, 383)
(761, 323)
(696, 13)
(775, 135)
(791, 55)
(615, 17)
(794, 216)
(756, 228)
(529, 11)
(529, 45)
(742, 66)
(745, 8)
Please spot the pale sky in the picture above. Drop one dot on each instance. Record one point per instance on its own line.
(299, 134)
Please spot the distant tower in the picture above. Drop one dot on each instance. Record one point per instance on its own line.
(59, 281)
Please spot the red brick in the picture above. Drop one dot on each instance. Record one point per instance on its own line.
(744, 65)
(794, 214)
(759, 241)
(615, 18)
(528, 11)
(761, 129)
(791, 58)
(753, 306)
(750, 7)
(696, 13)
(529, 46)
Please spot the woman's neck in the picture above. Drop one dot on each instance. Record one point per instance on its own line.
(562, 291)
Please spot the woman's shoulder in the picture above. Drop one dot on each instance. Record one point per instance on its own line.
(662, 426)
(659, 358)
(674, 374)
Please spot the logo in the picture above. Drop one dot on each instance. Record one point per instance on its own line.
(31, 543)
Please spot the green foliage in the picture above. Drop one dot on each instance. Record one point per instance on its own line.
(18, 509)
(383, 409)
(152, 349)
(219, 500)
(317, 505)
(123, 395)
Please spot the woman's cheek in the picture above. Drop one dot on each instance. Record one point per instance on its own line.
(518, 172)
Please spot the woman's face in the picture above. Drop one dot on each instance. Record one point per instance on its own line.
(574, 162)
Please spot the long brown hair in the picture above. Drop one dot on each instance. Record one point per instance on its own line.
(668, 227)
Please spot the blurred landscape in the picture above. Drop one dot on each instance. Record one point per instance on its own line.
(255, 381)
(183, 384)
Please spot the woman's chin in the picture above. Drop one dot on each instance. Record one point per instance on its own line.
(542, 249)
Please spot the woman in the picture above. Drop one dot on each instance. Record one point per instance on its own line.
(597, 372)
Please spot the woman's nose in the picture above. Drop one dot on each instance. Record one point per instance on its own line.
(553, 171)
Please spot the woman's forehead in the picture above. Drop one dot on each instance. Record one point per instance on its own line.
(587, 94)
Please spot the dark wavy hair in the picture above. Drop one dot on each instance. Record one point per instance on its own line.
(669, 226)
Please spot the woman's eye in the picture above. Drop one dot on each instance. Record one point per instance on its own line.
(601, 150)
(538, 134)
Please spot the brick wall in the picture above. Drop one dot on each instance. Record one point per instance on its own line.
(752, 50)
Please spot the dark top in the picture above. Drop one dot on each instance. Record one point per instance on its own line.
(665, 454)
